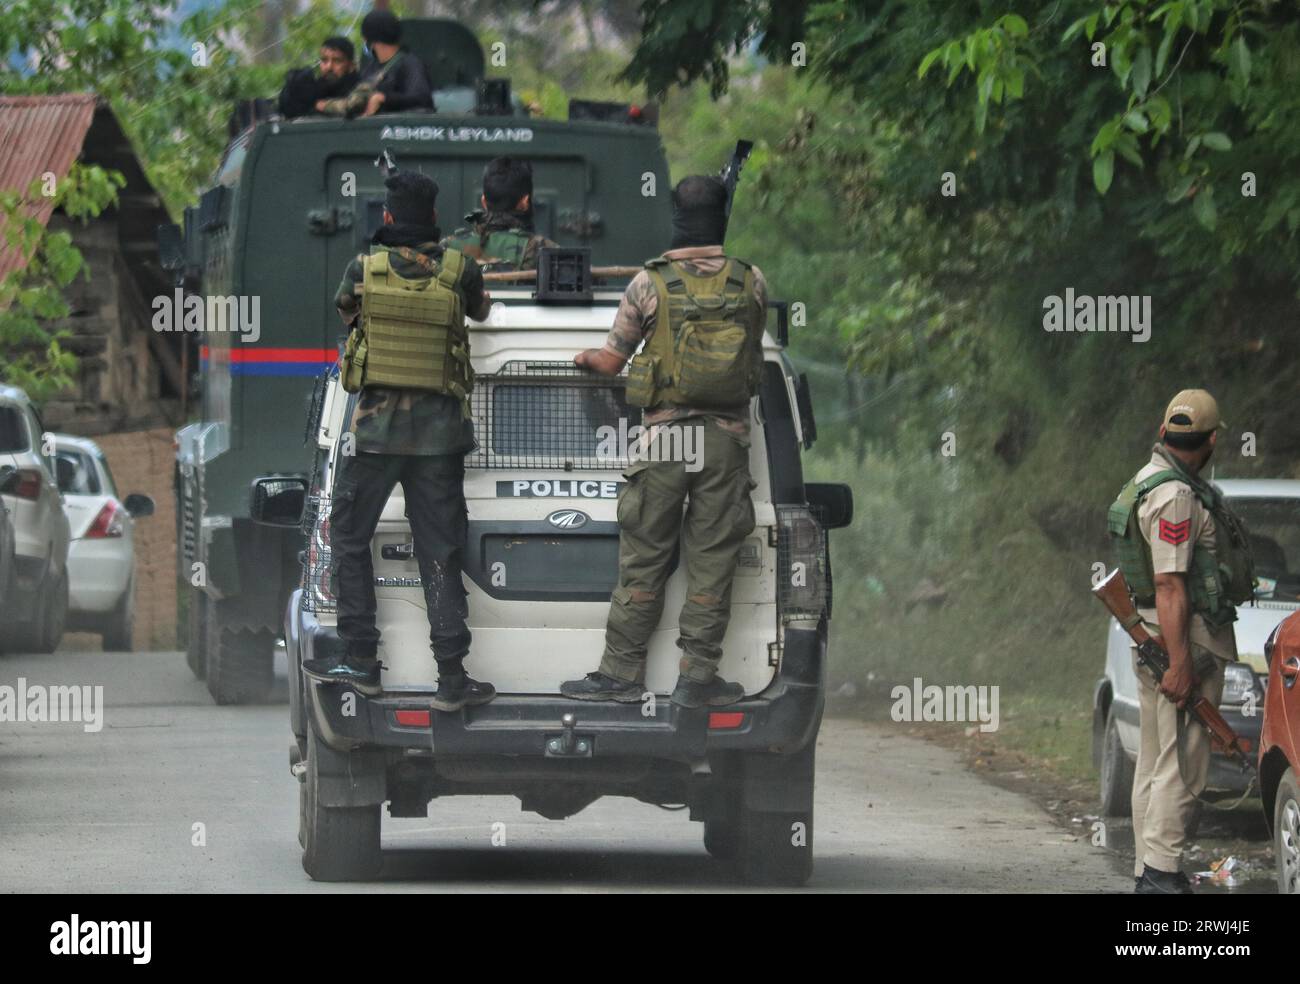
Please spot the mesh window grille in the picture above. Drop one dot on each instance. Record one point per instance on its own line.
(550, 415)
(803, 565)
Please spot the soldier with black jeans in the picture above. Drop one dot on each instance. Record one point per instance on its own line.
(418, 438)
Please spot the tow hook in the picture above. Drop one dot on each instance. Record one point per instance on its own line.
(568, 744)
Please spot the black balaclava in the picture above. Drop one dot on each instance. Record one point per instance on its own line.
(382, 26)
(699, 212)
(410, 198)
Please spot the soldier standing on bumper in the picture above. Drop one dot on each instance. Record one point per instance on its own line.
(501, 236)
(716, 305)
(1187, 561)
(411, 425)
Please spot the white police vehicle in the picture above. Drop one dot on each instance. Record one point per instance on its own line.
(541, 561)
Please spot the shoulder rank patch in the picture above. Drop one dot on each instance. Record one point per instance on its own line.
(1175, 533)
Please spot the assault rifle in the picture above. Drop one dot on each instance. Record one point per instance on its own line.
(1113, 592)
(730, 174)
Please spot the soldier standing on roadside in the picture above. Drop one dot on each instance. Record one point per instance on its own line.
(1187, 561)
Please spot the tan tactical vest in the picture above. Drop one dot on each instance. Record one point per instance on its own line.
(411, 333)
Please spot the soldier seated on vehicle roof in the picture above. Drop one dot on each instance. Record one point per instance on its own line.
(500, 236)
(393, 80)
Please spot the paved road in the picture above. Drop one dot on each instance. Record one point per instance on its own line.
(115, 811)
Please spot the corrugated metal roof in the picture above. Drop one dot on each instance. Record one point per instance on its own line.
(39, 134)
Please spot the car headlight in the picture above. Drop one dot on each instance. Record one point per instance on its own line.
(1238, 682)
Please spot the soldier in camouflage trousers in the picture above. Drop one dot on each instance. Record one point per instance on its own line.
(418, 438)
(719, 513)
(501, 237)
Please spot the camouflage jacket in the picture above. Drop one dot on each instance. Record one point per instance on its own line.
(636, 319)
(385, 420)
(473, 241)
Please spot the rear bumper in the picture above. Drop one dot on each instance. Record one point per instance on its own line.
(782, 719)
(99, 572)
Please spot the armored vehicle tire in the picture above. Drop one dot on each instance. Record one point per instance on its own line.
(339, 843)
(196, 642)
(45, 630)
(1116, 773)
(240, 660)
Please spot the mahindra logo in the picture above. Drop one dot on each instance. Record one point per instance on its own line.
(567, 519)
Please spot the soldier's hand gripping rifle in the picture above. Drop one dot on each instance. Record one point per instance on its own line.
(1113, 592)
(730, 174)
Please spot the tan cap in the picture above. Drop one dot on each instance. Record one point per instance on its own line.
(1196, 411)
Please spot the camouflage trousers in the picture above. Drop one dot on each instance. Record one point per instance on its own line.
(719, 515)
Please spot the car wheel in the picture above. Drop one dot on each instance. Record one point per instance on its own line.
(119, 629)
(240, 661)
(1286, 834)
(1116, 773)
(339, 843)
(196, 640)
(49, 628)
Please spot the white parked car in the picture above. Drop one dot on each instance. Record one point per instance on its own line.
(36, 602)
(101, 558)
(1270, 509)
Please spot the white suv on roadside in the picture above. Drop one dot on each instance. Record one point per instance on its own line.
(36, 606)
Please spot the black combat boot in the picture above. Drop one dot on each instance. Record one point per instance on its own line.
(457, 690)
(1157, 882)
(716, 693)
(602, 686)
(357, 666)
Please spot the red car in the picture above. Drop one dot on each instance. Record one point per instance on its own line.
(1279, 751)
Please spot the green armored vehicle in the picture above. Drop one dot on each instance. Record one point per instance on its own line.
(291, 203)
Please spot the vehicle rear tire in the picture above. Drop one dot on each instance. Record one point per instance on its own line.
(196, 643)
(339, 843)
(45, 631)
(118, 633)
(775, 847)
(1116, 773)
(1286, 834)
(240, 661)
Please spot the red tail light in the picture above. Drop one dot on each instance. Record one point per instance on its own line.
(107, 523)
(413, 719)
(726, 720)
(29, 483)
